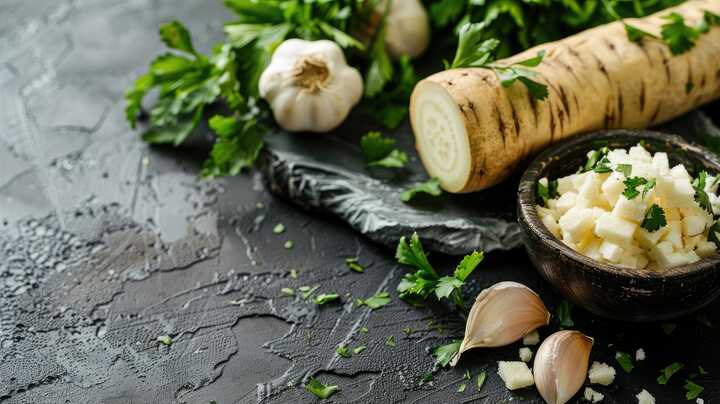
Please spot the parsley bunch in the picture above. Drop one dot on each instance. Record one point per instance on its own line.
(188, 82)
(417, 286)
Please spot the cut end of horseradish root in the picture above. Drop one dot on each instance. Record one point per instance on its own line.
(440, 136)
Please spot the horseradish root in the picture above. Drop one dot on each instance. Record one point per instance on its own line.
(471, 132)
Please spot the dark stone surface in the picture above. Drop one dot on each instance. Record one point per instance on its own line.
(106, 244)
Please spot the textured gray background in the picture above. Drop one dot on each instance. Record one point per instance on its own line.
(106, 244)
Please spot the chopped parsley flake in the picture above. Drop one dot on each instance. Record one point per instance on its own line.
(444, 353)
(563, 314)
(693, 390)
(625, 361)
(480, 381)
(391, 341)
(319, 389)
(326, 298)
(279, 228)
(359, 349)
(165, 340)
(287, 291)
(668, 371)
(430, 187)
(376, 301)
(354, 265)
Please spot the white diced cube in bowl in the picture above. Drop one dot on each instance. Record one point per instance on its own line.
(576, 223)
(613, 187)
(630, 209)
(615, 229)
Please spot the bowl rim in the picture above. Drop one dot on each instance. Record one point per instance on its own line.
(532, 223)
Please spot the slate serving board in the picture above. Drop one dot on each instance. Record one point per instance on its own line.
(326, 172)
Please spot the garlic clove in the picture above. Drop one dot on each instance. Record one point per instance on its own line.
(561, 365)
(501, 315)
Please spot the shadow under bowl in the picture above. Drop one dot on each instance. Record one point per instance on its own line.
(607, 290)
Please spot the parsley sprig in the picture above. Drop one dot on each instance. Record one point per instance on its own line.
(417, 286)
(701, 196)
(475, 51)
(380, 151)
(654, 218)
(632, 183)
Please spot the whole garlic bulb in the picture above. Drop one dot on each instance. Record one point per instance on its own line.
(407, 27)
(501, 315)
(561, 365)
(310, 86)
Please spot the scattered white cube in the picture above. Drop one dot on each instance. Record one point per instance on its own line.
(533, 338)
(515, 374)
(566, 184)
(679, 171)
(592, 395)
(645, 398)
(525, 354)
(601, 373)
(615, 229)
(648, 239)
(640, 355)
(639, 153)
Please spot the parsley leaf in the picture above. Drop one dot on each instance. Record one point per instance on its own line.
(693, 390)
(413, 254)
(654, 218)
(390, 341)
(625, 361)
(343, 351)
(678, 36)
(631, 185)
(359, 349)
(176, 36)
(668, 371)
(563, 314)
(547, 192)
(444, 353)
(307, 291)
(636, 34)
(380, 151)
(603, 166)
(625, 169)
(701, 197)
(326, 298)
(430, 187)
(319, 389)
(420, 284)
(473, 50)
(390, 107)
(376, 301)
(237, 146)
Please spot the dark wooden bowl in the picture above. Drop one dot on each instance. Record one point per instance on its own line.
(607, 290)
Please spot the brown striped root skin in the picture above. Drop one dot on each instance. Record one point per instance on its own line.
(471, 133)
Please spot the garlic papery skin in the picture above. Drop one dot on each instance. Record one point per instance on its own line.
(310, 86)
(501, 315)
(561, 365)
(407, 27)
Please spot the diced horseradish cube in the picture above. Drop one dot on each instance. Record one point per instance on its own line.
(679, 171)
(705, 249)
(610, 251)
(645, 398)
(532, 338)
(648, 239)
(663, 254)
(693, 225)
(590, 188)
(542, 212)
(675, 192)
(690, 257)
(613, 187)
(565, 202)
(601, 373)
(525, 354)
(516, 374)
(583, 202)
(639, 153)
(643, 169)
(578, 180)
(552, 204)
(565, 184)
(674, 234)
(592, 395)
(630, 209)
(543, 181)
(592, 250)
(699, 401)
(661, 164)
(615, 229)
(576, 223)
(628, 261)
(640, 355)
(551, 225)
(641, 262)
(618, 156)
